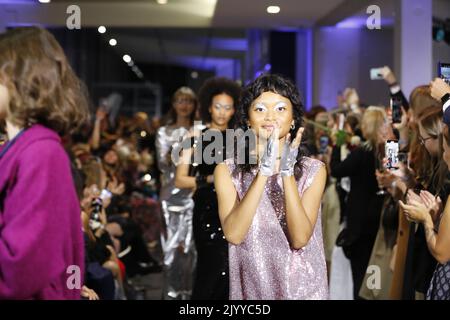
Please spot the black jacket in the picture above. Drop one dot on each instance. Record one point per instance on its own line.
(363, 207)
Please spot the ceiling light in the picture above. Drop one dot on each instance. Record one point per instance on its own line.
(44, 1)
(102, 29)
(273, 9)
(194, 74)
(126, 58)
(161, 1)
(112, 42)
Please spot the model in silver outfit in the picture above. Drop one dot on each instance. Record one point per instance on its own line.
(177, 205)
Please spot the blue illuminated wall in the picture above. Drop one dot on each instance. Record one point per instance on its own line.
(343, 58)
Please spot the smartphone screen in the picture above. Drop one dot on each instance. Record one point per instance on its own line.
(324, 141)
(391, 154)
(396, 108)
(375, 74)
(444, 72)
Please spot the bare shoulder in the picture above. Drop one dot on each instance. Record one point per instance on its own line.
(224, 183)
(221, 170)
(311, 163)
(224, 174)
(315, 172)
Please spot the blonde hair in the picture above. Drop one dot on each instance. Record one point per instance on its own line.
(373, 119)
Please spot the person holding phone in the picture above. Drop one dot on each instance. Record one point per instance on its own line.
(399, 105)
(434, 216)
(363, 207)
(430, 175)
(41, 99)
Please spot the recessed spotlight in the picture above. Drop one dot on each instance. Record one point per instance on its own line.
(273, 9)
(112, 42)
(161, 1)
(102, 29)
(126, 58)
(44, 1)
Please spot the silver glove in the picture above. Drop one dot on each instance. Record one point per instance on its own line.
(268, 160)
(288, 160)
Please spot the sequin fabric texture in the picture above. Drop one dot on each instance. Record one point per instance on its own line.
(264, 266)
(177, 206)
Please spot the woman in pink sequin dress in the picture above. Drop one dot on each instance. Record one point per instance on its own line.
(269, 205)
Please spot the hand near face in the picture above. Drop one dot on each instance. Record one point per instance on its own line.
(267, 166)
(290, 152)
(298, 138)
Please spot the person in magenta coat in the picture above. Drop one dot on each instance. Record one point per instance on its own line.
(41, 240)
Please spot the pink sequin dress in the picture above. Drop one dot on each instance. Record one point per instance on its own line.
(264, 266)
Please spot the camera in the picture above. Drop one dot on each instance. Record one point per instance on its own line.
(391, 153)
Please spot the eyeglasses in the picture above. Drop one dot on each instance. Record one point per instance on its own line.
(423, 140)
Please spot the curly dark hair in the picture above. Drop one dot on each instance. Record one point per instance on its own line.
(213, 87)
(279, 85)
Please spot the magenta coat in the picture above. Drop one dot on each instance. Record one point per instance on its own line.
(41, 241)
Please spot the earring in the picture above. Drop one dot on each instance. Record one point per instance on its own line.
(292, 126)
